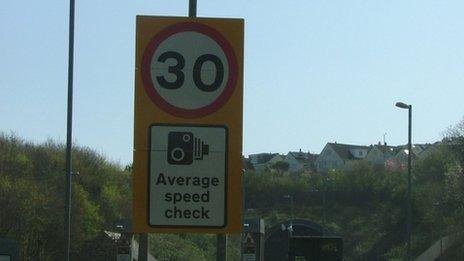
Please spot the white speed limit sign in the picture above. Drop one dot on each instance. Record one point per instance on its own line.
(189, 70)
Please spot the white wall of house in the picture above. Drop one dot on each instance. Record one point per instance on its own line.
(358, 153)
(275, 159)
(293, 164)
(376, 156)
(328, 159)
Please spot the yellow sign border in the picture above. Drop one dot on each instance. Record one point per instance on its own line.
(147, 113)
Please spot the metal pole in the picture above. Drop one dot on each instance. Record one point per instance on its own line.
(409, 181)
(143, 247)
(244, 216)
(291, 205)
(69, 130)
(221, 246)
(441, 229)
(323, 206)
(192, 8)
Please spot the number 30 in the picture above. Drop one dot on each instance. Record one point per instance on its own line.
(197, 67)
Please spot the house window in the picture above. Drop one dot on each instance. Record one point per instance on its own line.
(360, 153)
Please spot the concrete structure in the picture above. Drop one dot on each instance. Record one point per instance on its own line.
(436, 250)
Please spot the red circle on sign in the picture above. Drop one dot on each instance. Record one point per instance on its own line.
(148, 82)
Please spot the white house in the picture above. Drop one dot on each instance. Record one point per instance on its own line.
(336, 155)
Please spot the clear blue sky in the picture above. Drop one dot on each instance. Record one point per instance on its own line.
(315, 71)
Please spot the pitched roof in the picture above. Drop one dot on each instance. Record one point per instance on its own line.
(262, 157)
(298, 154)
(343, 150)
(416, 148)
(385, 148)
(303, 157)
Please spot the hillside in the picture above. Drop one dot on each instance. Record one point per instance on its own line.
(364, 204)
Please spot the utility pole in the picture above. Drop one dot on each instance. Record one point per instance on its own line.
(143, 247)
(221, 246)
(69, 132)
(409, 181)
(403, 105)
(192, 8)
(221, 239)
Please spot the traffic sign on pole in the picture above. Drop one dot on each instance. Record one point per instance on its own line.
(188, 125)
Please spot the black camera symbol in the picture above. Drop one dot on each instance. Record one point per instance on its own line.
(183, 148)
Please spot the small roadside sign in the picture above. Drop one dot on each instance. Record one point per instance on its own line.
(249, 248)
(188, 125)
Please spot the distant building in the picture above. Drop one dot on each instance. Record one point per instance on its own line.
(379, 154)
(396, 157)
(336, 156)
(260, 161)
(429, 149)
(301, 161)
(275, 159)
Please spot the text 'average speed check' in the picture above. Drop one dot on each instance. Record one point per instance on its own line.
(188, 176)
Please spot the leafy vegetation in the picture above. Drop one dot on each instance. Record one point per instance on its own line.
(32, 179)
(365, 204)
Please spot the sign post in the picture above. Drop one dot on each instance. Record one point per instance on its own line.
(188, 125)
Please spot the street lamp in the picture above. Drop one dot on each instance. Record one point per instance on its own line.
(403, 105)
(290, 227)
(291, 205)
(439, 205)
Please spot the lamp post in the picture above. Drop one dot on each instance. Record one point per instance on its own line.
(439, 205)
(291, 205)
(326, 179)
(290, 227)
(409, 108)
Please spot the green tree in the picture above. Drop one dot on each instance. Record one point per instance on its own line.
(281, 166)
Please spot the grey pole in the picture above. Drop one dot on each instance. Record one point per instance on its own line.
(143, 247)
(402, 105)
(192, 8)
(69, 131)
(244, 214)
(323, 205)
(221, 239)
(291, 211)
(409, 180)
(221, 246)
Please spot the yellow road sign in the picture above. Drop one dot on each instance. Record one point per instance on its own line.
(188, 125)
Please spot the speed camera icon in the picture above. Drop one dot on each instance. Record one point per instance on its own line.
(184, 147)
